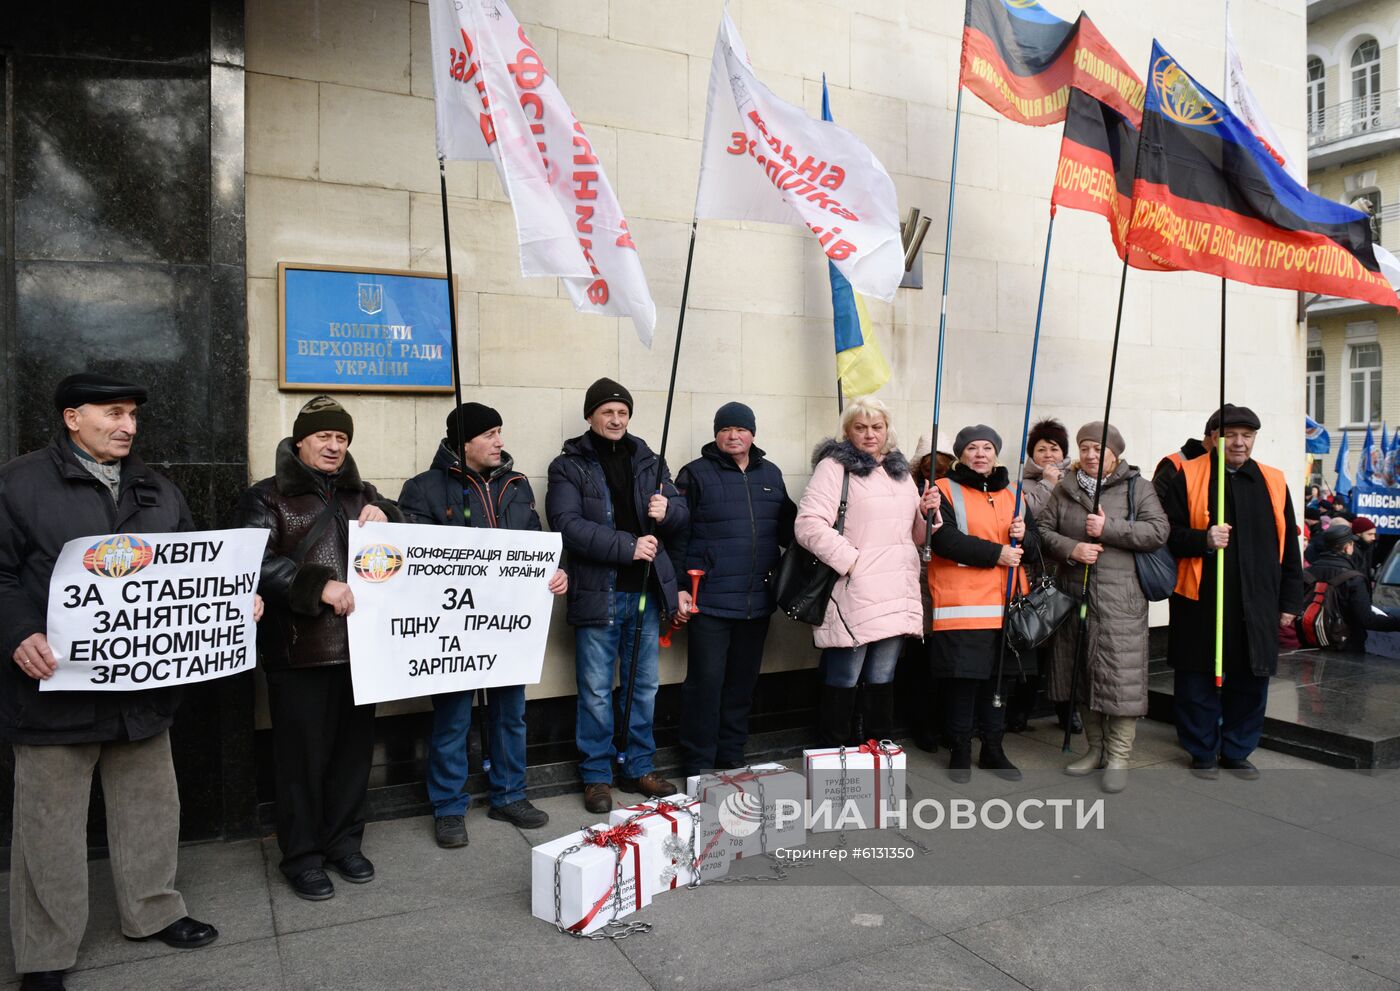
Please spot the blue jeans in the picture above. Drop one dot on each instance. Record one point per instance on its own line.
(842, 665)
(598, 649)
(447, 749)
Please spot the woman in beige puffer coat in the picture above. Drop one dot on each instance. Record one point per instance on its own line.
(1112, 689)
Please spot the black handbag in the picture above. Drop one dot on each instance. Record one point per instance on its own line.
(1033, 618)
(803, 581)
(1156, 570)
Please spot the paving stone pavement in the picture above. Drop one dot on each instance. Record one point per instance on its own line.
(1146, 903)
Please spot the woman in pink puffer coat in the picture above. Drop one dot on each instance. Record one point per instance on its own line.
(876, 601)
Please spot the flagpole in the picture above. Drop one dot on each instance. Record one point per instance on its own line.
(1220, 505)
(1021, 465)
(660, 485)
(485, 725)
(927, 552)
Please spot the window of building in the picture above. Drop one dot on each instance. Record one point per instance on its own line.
(1366, 86)
(1317, 96)
(1364, 371)
(1317, 385)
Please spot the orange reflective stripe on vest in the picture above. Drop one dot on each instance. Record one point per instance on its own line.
(1197, 472)
(966, 598)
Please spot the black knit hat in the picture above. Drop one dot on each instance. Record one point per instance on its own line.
(605, 391)
(470, 420)
(735, 415)
(322, 413)
(90, 387)
(1235, 416)
(1048, 429)
(1338, 535)
(978, 431)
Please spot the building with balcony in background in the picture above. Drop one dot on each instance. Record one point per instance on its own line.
(1353, 101)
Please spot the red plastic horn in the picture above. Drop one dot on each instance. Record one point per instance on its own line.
(695, 575)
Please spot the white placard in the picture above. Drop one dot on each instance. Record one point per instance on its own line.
(129, 611)
(447, 608)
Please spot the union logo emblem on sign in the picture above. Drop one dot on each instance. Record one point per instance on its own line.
(119, 556)
(371, 298)
(378, 562)
(1181, 101)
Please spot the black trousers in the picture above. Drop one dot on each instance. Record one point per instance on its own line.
(1229, 722)
(725, 658)
(323, 745)
(970, 700)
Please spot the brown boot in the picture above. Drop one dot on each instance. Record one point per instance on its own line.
(597, 797)
(651, 784)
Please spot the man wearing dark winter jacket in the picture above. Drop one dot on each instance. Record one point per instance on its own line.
(1337, 562)
(482, 491)
(607, 494)
(740, 518)
(1263, 591)
(85, 483)
(322, 740)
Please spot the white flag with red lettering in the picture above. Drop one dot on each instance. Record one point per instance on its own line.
(764, 159)
(496, 100)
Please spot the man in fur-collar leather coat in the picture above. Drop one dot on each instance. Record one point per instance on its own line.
(323, 741)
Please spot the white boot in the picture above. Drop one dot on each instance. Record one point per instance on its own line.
(1119, 732)
(1094, 736)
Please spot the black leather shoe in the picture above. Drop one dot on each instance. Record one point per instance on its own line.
(450, 831)
(520, 813)
(1241, 768)
(960, 760)
(313, 885)
(183, 934)
(353, 867)
(42, 980)
(1206, 769)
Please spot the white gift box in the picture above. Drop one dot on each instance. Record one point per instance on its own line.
(668, 824)
(873, 785)
(746, 806)
(588, 878)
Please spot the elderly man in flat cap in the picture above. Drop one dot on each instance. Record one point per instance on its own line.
(85, 483)
(1263, 591)
(322, 740)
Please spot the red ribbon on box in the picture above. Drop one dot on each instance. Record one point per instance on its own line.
(646, 810)
(619, 838)
(873, 747)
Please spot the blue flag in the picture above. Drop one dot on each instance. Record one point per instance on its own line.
(1368, 453)
(1318, 440)
(1343, 485)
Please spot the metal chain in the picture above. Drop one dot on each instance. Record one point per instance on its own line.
(886, 749)
(778, 872)
(842, 813)
(612, 929)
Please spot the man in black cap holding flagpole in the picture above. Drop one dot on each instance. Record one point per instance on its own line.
(1263, 591)
(85, 483)
(486, 491)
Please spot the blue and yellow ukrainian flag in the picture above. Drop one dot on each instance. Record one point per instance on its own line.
(859, 364)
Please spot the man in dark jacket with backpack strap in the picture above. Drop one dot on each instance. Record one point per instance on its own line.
(486, 491)
(612, 501)
(740, 518)
(1352, 601)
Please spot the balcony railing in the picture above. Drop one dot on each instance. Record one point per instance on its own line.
(1353, 118)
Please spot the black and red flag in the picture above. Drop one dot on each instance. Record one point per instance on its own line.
(1208, 197)
(1022, 61)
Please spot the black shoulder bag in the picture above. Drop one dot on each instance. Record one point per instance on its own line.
(1156, 570)
(803, 582)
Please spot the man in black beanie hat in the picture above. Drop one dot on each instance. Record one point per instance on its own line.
(86, 482)
(482, 491)
(322, 740)
(1220, 727)
(613, 503)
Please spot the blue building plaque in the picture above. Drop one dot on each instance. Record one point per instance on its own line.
(364, 330)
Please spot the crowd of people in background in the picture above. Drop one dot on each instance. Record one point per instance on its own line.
(1082, 515)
